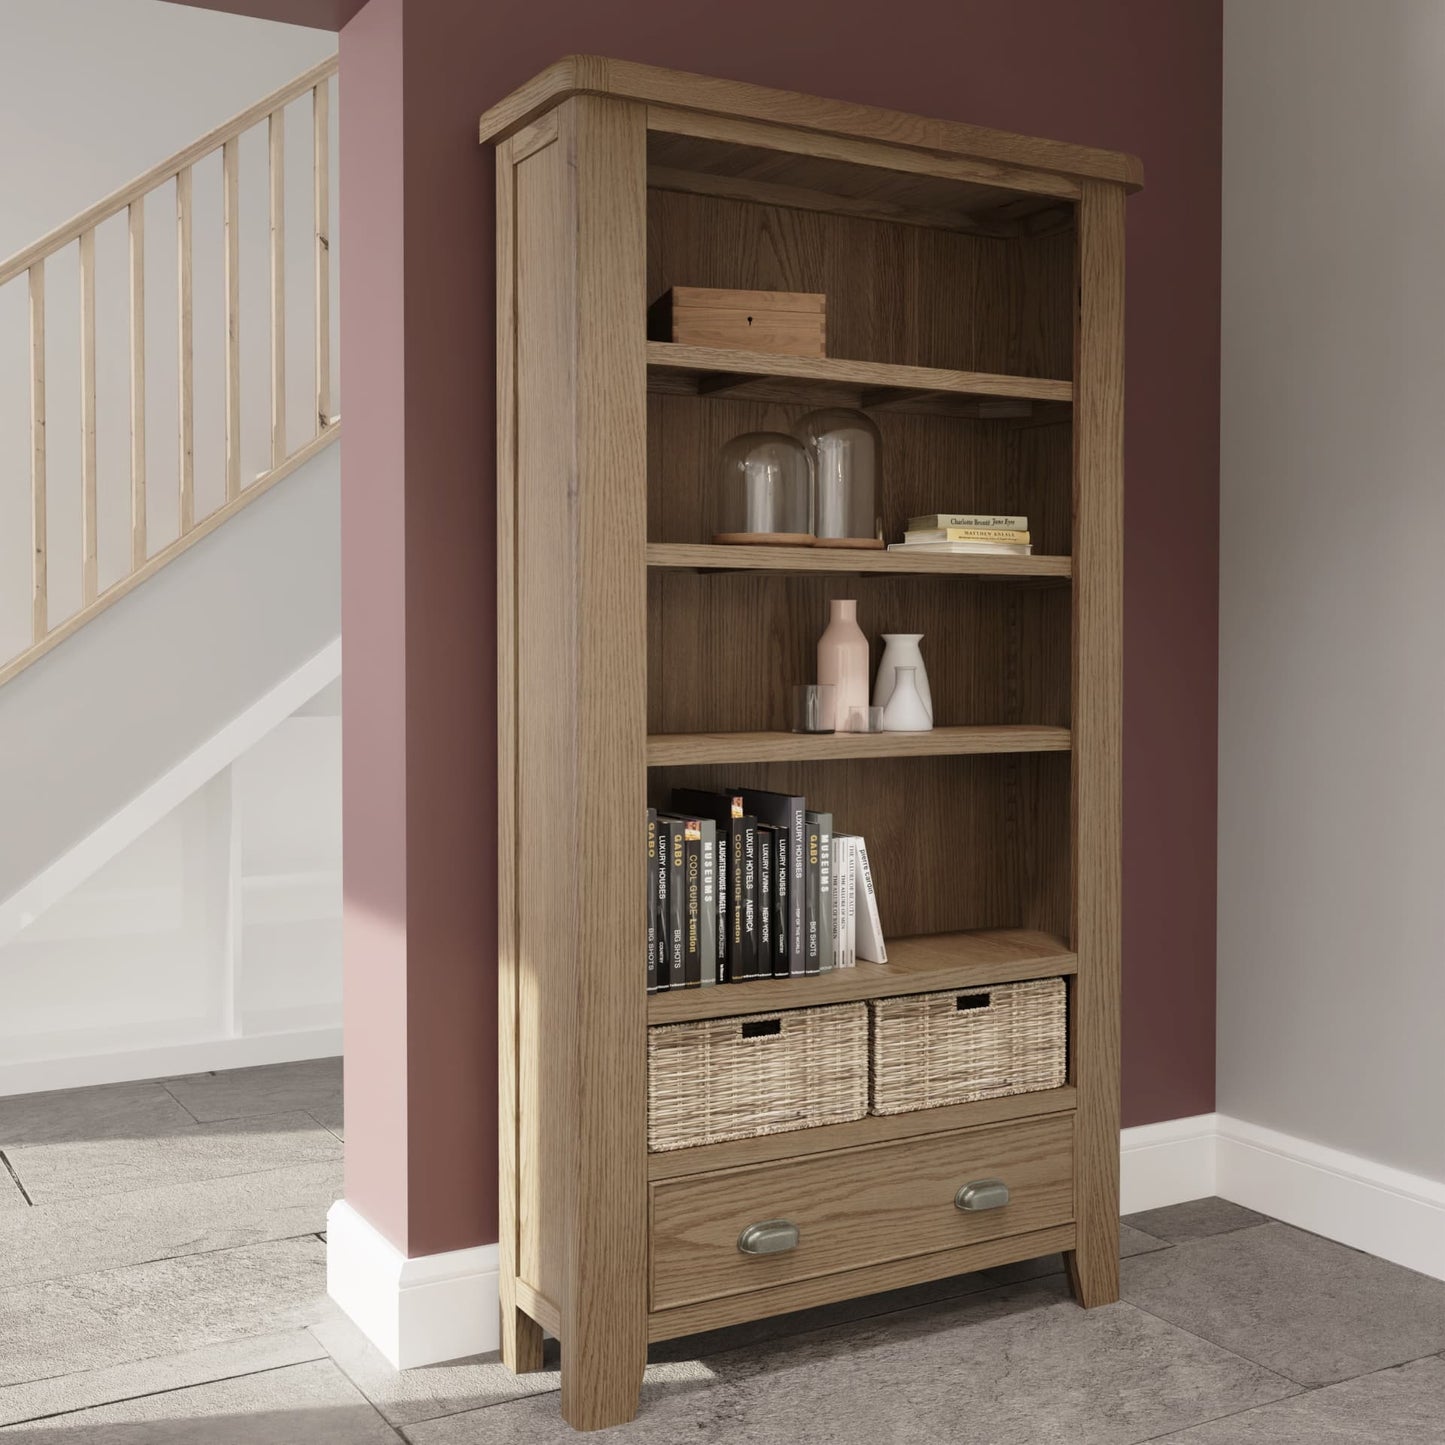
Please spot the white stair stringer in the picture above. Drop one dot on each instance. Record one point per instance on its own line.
(105, 735)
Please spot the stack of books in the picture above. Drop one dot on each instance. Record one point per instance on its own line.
(966, 532)
(745, 884)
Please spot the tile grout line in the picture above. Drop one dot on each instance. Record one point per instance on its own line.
(1285, 1399)
(172, 1389)
(10, 1169)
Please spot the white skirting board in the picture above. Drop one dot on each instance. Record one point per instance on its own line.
(443, 1306)
(1368, 1206)
(415, 1311)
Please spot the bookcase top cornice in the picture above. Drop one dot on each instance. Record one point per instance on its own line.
(708, 95)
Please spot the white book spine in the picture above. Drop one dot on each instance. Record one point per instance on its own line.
(852, 902)
(870, 930)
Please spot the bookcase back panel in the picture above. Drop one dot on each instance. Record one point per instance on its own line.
(930, 464)
(901, 293)
(725, 649)
(954, 843)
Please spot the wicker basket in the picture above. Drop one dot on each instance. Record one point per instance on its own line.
(735, 1078)
(950, 1048)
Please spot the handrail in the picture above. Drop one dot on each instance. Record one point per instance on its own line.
(167, 170)
(282, 459)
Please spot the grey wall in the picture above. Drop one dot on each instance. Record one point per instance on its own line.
(1331, 976)
(93, 93)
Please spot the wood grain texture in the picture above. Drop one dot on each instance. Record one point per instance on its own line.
(89, 555)
(582, 74)
(932, 962)
(521, 1330)
(1098, 692)
(947, 846)
(681, 749)
(995, 655)
(276, 165)
(875, 1129)
(186, 357)
(231, 227)
(604, 1316)
(855, 1208)
(698, 360)
(136, 230)
(748, 160)
(853, 1284)
(684, 556)
(321, 214)
(542, 562)
(39, 521)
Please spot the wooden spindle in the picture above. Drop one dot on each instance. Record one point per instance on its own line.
(136, 218)
(88, 567)
(38, 566)
(321, 178)
(186, 357)
(277, 135)
(232, 222)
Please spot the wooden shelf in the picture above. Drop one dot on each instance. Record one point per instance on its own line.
(684, 556)
(671, 750)
(837, 381)
(930, 963)
(874, 1129)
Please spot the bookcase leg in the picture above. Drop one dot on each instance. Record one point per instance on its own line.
(521, 1341)
(1093, 1276)
(601, 1385)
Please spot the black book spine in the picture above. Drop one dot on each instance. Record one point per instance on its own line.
(692, 893)
(707, 917)
(798, 889)
(676, 906)
(811, 961)
(737, 863)
(750, 898)
(661, 944)
(650, 889)
(766, 847)
(824, 824)
(724, 913)
(782, 914)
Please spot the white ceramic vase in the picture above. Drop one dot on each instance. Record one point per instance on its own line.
(843, 659)
(905, 712)
(900, 649)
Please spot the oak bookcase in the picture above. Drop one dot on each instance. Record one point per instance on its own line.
(975, 309)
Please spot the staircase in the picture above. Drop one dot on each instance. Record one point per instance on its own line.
(182, 604)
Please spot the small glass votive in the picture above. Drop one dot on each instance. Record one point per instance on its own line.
(863, 720)
(813, 708)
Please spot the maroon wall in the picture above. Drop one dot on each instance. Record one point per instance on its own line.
(1134, 75)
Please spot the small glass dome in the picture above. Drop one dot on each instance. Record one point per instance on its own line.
(765, 491)
(847, 453)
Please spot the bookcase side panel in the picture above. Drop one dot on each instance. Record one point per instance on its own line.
(604, 1315)
(1098, 734)
(546, 785)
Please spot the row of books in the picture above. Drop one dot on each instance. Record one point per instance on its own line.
(748, 884)
(980, 533)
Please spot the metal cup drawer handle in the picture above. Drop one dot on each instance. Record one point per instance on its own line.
(982, 1194)
(771, 1236)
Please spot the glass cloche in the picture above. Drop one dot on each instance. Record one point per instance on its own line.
(847, 453)
(765, 491)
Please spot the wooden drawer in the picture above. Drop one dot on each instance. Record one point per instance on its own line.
(856, 1207)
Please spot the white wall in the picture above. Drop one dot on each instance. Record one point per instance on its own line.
(1332, 626)
(92, 93)
(213, 939)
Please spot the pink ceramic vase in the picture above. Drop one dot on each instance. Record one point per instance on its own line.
(843, 659)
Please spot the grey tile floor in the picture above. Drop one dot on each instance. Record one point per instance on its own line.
(162, 1280)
